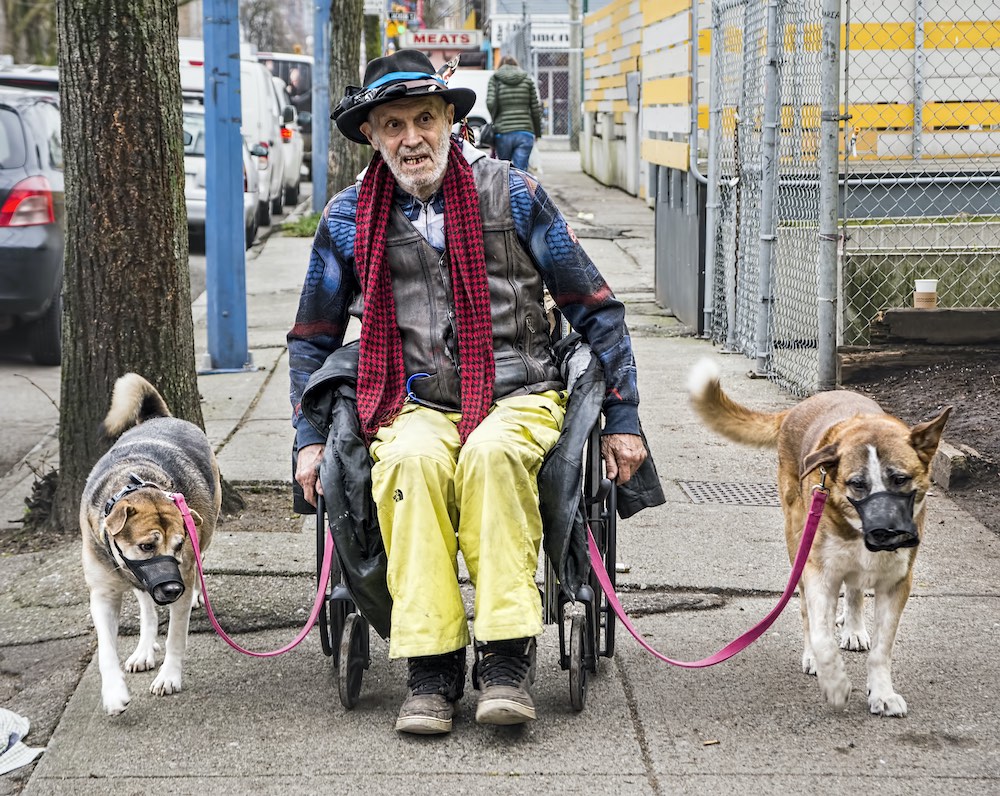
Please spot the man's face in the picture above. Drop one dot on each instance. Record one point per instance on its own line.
(413, 137)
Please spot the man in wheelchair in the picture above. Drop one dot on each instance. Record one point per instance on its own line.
(444, 253)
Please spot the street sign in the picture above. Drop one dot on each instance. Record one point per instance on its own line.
(403, 16)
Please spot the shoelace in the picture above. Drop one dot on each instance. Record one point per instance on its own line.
(500, 669)
(431, 677)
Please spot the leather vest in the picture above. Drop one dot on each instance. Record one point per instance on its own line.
(421, 286)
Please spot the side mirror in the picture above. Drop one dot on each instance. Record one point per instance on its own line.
(288, 115)
(258, 151)
(188, 138)
(305, 118)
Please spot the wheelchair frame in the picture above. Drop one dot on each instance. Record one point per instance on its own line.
(586, 624)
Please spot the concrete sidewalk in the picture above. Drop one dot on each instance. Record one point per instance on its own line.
(697, 575)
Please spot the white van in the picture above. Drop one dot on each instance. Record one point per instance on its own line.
(478, 80)
(261, 118)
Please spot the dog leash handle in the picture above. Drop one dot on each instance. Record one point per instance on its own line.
(317, 604)
(749, 637)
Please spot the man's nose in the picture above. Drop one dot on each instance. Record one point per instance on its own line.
(411, 135)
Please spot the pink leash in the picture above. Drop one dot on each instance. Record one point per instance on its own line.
(178, 499)
(808, 534)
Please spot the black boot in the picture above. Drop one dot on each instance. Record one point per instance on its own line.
(435, 683)
(503, 673)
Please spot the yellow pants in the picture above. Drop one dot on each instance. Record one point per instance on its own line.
(435, 497)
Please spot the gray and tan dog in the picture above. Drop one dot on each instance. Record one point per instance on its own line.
(134, 536)
(878, 474)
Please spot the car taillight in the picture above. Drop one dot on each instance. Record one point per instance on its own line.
(29, 203)
(286, 134)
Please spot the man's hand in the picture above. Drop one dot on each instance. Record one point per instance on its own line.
(307, 471)
(622, 454)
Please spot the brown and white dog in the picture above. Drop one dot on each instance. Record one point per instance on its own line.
(134, 537)
(878, 473)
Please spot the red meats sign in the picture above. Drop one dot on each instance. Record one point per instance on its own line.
(442, 39)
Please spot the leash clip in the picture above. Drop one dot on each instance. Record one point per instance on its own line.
(821, 486)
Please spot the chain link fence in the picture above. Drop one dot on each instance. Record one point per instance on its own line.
(763, 200)
(919, 174)
(921, 157)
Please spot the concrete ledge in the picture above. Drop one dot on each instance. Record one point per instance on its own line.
(950, 467)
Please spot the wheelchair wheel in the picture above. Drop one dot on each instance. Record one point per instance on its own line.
(353, 659)
(578, 661)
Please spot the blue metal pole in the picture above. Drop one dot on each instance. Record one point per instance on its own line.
(321, 103)
(225, 273)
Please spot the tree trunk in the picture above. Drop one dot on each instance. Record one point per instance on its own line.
(346, 157)
(127, 295)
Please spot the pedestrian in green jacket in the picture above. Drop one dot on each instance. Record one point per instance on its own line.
(512, 100)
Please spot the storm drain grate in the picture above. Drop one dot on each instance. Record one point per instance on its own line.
(740, 494)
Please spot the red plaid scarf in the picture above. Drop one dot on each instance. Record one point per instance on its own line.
(381, 373)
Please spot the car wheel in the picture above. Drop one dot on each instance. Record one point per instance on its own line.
(276, 205)
(45, 335)
(264, 214)
(292, 194)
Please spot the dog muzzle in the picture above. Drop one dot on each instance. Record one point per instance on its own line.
(887, 520)
(159, 575)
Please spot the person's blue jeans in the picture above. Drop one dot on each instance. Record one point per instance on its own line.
(515, 147)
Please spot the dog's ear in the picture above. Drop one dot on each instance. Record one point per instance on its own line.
(115, 521)
(925, 437)
(827, 456)
(196, 517)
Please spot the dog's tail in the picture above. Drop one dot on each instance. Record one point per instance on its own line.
(724, 416)
(133, 401)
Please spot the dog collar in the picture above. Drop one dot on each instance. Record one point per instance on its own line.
(134, 483)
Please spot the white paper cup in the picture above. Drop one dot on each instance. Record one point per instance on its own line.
(925, 285)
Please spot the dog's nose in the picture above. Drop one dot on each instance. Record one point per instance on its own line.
(167, 593)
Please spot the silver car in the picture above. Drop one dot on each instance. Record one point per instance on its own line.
(194, 178)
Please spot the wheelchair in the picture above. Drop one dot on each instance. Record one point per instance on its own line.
(586, 623)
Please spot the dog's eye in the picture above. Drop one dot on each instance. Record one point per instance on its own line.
(858, 483)
(900, 479)
(147, 547)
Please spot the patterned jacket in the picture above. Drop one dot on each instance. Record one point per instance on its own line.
(331, 291)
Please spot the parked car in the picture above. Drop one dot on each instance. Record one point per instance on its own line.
(261, 119)
(194, 178)
(291, 143)
(41, 78)
(297, 72)
(32, 220)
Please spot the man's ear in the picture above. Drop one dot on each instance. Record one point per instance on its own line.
(450, 113)
(366, 131)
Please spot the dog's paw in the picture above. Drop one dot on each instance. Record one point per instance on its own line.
(808, 663)
(887, 704)
(836, 690)
(166, 682)
(143, 659)
(115, 698)
(198, 600)
(855, 639)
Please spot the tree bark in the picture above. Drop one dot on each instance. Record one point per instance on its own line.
(127, 296)
(346, 157)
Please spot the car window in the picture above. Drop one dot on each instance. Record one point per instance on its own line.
(53, 132)
(194, 134)
(11, 140)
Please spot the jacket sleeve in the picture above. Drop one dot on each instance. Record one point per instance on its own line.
(582, 295)
(329, 287)
(536, 110)
(492, 100)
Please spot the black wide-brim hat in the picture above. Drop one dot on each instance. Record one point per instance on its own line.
(402, 75)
